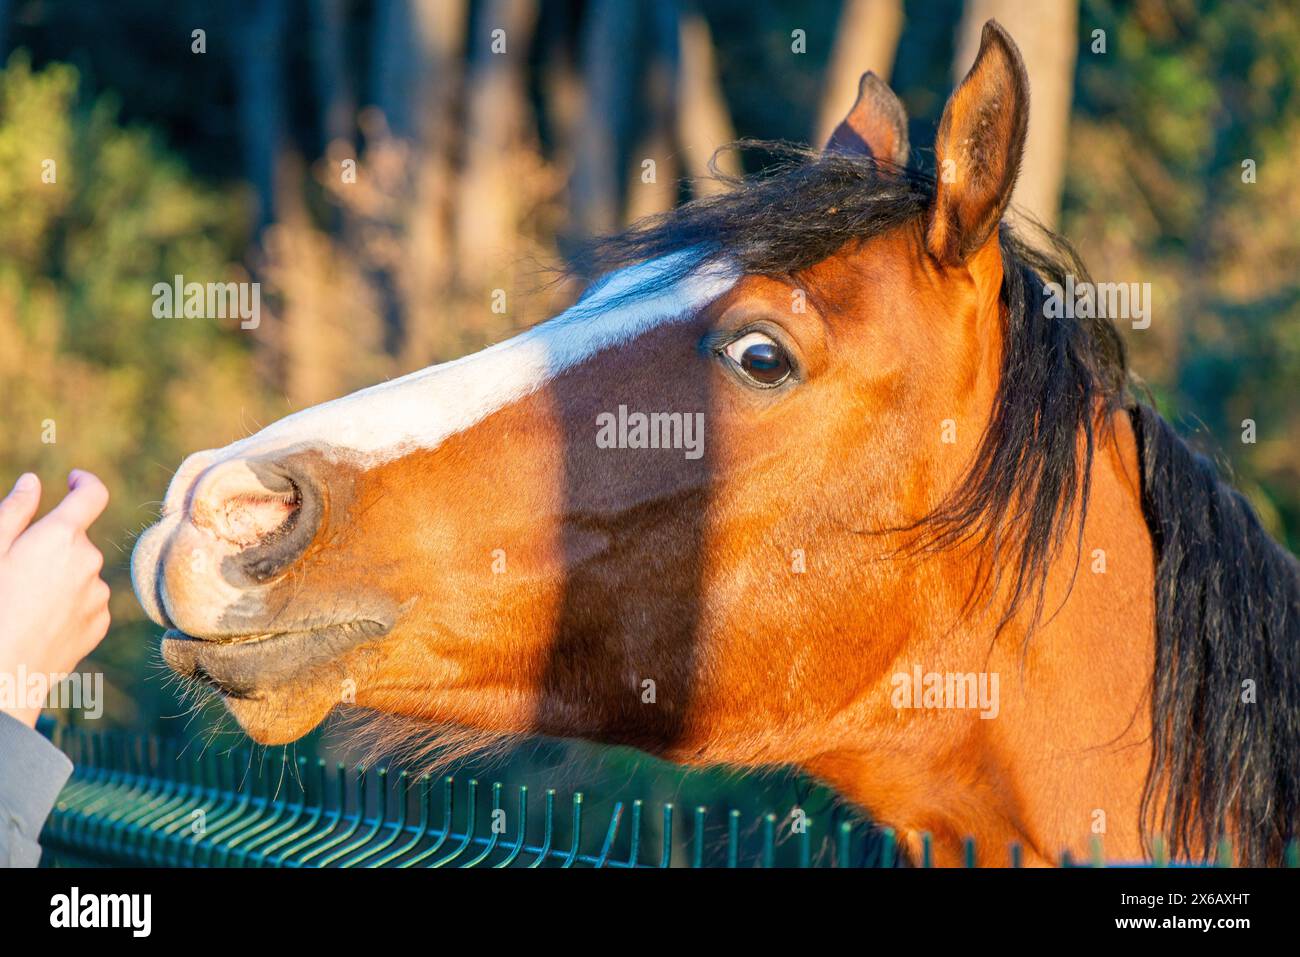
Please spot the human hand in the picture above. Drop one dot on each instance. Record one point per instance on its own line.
(53, 604)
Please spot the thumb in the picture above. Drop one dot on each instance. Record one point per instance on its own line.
(17, 509)
(86, 499)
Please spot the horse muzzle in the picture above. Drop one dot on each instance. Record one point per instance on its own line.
(231, 533)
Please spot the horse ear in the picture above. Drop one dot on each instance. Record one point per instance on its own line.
(875, 127)
(978, 150)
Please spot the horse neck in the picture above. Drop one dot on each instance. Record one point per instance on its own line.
(1064, 760)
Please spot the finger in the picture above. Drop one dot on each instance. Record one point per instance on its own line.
(17, 509)
(95, 631)
(93, 557)
(86, 500)
(99, 595)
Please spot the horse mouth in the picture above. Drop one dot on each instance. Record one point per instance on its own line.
(246, 666)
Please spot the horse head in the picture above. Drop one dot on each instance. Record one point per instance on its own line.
(801, 439)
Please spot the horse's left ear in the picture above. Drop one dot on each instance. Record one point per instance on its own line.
(978, 150)
(875, 127)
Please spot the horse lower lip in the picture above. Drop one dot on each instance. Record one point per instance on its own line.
(240, 667)
(224, 640)
(224, 663)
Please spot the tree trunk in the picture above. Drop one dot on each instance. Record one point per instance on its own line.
(1047, 34)
(260, 79)
(333, 83)
(653, 189)
(703, 120)
(392, 64)
(427, 255)
(608, 55)
(497, 128)
(866, 39)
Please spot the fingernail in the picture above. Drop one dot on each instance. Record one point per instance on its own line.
(26, 483)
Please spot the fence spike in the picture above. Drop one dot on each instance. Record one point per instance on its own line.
(666, 858)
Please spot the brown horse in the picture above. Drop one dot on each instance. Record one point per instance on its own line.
(813, 476)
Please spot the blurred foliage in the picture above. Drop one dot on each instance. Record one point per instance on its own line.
(1164, 119)
(88, 377)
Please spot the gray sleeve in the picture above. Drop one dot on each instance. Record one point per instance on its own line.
(32, 773)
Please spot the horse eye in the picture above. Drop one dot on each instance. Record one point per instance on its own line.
(761, 358)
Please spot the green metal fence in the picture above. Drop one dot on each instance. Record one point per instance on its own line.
(140, 801)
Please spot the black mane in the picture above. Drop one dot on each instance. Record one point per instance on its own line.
(1227, 596)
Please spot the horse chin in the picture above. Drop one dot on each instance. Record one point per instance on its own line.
(281, 715)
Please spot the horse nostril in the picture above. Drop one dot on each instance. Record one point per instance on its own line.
(269, 509)
(251, 519)
(232, 502)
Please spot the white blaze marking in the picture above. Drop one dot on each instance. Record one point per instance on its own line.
(421, 410)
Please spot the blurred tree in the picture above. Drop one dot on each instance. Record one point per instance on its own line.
(334, 93)
(258, 36)
(498, 127)
(417, 60)
(608, 43)
(655, 170)
(703, 117)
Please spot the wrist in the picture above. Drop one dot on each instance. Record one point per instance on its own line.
(24, 715)
(17, 697)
